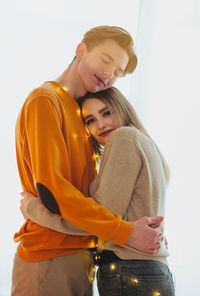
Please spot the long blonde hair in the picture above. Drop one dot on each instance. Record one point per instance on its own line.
(125, 114)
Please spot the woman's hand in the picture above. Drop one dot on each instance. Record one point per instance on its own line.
(27, 196)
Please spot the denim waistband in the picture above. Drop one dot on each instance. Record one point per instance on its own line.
(107, 256)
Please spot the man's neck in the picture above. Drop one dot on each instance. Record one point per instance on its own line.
(71, 81)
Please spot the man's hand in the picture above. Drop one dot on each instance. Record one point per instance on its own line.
(146, 235)
(24, 202)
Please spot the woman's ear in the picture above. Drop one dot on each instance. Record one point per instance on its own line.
(81, 50)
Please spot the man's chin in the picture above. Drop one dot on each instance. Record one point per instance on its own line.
(99, 88)
(94, 89)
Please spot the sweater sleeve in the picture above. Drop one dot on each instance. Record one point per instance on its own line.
(50, 165)
(39, 214)
(118, 173)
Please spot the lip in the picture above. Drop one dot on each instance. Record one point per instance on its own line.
(106, 133)
(100, 81)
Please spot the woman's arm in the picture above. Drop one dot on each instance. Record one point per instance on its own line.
(32, 208)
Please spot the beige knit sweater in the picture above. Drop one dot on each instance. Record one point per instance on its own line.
(131, 182)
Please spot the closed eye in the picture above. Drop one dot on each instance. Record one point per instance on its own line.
(105, 61)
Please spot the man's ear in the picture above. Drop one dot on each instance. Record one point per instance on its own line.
(81, 50)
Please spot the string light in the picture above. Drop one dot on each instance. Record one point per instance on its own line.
(91, 274)
(156, 293)
(74, 135)
(66, 88)
(134, 280)
(87, 130)
(58, 89)
(112, 266)
(78, 112)
(95, 156)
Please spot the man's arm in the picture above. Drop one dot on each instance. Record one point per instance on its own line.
(32, 208)
(50, 165)
(50, 169)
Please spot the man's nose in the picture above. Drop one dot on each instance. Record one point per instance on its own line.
(110, 73)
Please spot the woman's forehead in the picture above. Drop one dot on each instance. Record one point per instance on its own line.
(92, 104)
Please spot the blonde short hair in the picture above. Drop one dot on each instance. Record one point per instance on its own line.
(99, 34)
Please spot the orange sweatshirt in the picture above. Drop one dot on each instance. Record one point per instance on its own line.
(55, 161)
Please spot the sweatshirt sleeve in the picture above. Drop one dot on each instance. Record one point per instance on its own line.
(50, 165)
(119, 170)
(39, 214)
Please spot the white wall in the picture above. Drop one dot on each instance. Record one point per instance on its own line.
(166, 91)
(38, 40)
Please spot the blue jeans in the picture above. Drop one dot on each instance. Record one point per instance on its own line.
(134, 278)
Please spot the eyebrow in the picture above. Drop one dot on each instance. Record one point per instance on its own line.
(90, 115)
(111, 58)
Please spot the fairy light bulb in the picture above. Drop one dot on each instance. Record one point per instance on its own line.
(87, 130)
(112, 266)
(156, 293)
(95, 156)
(75, 135)
(91, 275)
(135, 280)
(58, 89)
(66, 88)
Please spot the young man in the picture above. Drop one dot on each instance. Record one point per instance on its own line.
(54, 156)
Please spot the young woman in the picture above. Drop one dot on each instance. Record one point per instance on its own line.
(131, 182)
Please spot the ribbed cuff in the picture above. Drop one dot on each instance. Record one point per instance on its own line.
(123, 233)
